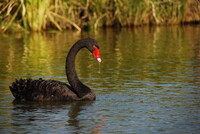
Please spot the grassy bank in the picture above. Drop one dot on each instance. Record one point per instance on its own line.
(38, 15)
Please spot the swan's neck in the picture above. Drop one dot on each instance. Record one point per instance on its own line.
(79, 88)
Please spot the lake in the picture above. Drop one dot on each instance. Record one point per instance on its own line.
(148, 81)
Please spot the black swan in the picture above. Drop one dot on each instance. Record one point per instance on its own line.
(52, 90)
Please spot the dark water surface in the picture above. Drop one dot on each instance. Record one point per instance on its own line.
(149, 82)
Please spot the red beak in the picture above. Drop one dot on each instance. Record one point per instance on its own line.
(96, 53)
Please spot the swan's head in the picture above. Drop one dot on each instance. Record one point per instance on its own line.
(93, 47)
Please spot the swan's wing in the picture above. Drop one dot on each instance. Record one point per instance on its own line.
(42, 90)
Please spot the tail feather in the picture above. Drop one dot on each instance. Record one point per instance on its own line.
(19, 88)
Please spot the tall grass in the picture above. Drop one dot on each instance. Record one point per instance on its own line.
(38, 15)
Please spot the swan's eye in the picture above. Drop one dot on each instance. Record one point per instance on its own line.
(96, 53)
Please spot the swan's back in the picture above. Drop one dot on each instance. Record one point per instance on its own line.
(42, 90)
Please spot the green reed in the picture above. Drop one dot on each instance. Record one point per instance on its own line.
(38, 15)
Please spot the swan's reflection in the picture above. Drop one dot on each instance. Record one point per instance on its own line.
(75, 111)
(37, 117)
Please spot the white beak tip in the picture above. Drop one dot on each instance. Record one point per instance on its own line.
(99, 59)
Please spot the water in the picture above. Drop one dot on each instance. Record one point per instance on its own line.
(149, 81)
(99, 67)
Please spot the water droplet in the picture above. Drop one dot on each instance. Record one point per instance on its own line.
(99, 68)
